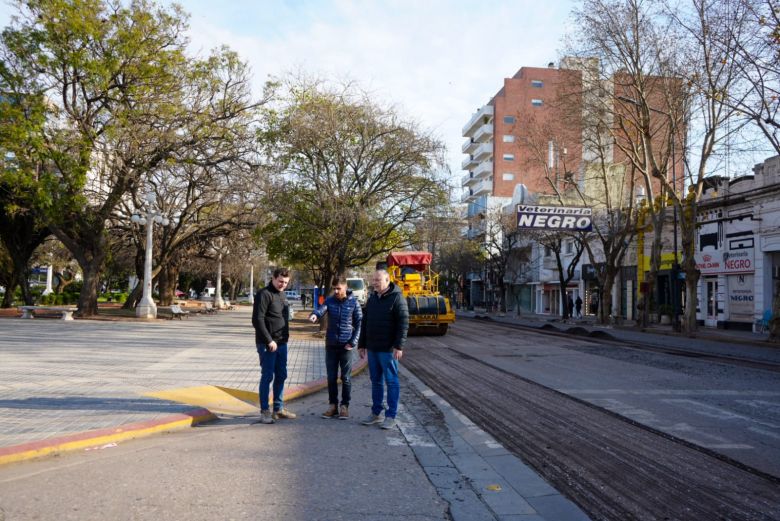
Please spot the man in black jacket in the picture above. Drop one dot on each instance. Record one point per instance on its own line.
(270, 319)
(382, 337)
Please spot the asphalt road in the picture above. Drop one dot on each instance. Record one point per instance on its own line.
(732, 410)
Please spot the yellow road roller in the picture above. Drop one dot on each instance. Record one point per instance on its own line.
(429, 312)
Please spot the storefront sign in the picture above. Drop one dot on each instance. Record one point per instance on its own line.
(554, 218)
(719, 262)
(709, 263)
(738, 261)
(741, 298)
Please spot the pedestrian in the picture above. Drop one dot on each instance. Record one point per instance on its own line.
(578, 305)
(271, 320)
(344, 321)
(303, 300)
(382, 339)
(570, 305)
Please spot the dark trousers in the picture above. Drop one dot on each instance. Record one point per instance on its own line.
(335, 358)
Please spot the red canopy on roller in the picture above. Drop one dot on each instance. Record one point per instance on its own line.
(418, 260)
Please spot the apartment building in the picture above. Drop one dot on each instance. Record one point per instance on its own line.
(524, 135)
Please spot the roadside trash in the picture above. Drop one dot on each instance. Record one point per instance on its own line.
(494, 488)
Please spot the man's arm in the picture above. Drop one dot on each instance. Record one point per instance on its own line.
(401, 312)
(357, 319)
(258, 318)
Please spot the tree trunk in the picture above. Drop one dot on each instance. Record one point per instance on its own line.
(166, 283)
(135, 296)
(89, 290)
(605, 303)
(689, 324)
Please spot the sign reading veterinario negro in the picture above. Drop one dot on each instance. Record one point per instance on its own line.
(569, 218)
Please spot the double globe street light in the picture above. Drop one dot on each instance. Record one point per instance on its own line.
(146, 308)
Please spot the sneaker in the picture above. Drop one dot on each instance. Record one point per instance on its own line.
(389, 423)
(266, 417)
(344, 413)
(331, 412)
(284, 414)
(372, 419)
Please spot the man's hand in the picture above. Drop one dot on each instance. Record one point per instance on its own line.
(313, 318)
(362, 352)
(272, 346)
(348, 347)
(397, 354)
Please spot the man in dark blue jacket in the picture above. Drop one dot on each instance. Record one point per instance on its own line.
(344, 317)
(382, 337)
(271, 320)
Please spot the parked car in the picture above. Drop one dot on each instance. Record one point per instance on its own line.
(359, 289)
(292, 294)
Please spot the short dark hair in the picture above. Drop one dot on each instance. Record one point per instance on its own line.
(338, 280)
(281, 272)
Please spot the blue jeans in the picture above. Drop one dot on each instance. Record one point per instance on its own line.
(383, 369)
(273, 368)
(336, 358)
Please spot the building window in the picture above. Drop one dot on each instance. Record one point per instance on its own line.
(508, 177)
(537, 102)
(537, 83)
(510, 120)
(569, 246)
(509, 157)
(547, 251)
(508, 138)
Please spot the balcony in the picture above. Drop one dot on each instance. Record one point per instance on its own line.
(484, 169)
(466, 196)
(483, 187)
(484, 133)
(484, 151)
(469, 163)
(467, 179)
(469, 146)
(477, 119)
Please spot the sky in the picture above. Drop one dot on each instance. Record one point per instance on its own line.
(435, 61)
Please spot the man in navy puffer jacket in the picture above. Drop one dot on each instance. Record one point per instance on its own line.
(344, 319)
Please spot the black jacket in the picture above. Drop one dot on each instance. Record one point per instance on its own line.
(269, 316)
(385, 321)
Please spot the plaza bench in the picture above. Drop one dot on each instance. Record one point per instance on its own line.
(30, 311)
(178, 312)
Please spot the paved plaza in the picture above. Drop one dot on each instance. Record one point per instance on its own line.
(59, 377)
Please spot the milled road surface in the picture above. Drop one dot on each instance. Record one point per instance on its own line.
(612, 467)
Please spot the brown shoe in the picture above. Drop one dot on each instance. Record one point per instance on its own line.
(331, 412)
(285, 415)
(344, 413)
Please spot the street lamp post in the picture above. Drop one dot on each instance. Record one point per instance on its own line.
(219, 302)
(146, 308)
(251, 284)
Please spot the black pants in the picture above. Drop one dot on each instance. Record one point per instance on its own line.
(335, 358)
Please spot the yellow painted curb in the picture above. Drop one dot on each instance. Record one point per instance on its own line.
(103, 436)
(218, 400)
(237, 402)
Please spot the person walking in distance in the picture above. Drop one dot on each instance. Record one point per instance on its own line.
(578, 306)
(382, 339)
(270, 318)
(344, 317)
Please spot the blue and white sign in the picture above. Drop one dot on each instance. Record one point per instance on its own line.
(565, 218)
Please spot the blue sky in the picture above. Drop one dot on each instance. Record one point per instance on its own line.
(435, 61)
